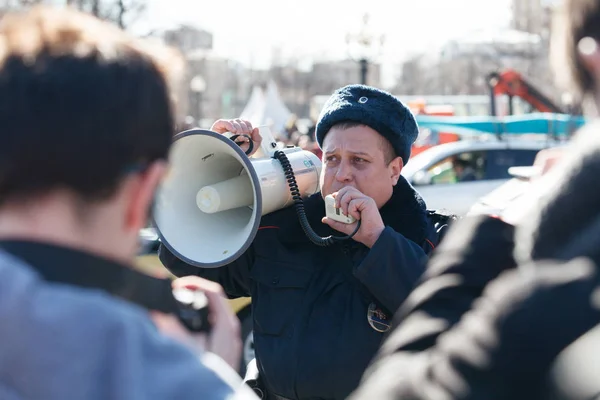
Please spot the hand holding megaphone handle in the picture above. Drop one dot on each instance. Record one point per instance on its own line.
(250, 143)
(299, 204)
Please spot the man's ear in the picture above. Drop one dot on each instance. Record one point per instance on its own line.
(395, 168)
(142, 195)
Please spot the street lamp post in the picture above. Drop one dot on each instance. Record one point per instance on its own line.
(364, 46)
(198, 87)
(364, 69)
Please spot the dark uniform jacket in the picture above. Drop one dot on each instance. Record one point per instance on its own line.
(310, 304)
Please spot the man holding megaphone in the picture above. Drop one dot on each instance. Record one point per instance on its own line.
(320, 307)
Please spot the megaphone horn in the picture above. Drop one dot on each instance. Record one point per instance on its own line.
(208, 208)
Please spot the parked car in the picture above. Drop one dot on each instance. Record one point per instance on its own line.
(434, 173)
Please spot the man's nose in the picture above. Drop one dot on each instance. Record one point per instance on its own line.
(344, 172)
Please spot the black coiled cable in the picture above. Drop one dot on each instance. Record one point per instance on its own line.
(299, 204)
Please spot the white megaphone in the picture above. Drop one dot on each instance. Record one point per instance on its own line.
(208, 208)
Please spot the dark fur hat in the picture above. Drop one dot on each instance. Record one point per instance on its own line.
(376, 109)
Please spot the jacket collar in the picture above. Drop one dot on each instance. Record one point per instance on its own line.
(405, 212)
(59, 264)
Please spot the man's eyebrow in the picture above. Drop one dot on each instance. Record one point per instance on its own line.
(360, 153)
(357, 153)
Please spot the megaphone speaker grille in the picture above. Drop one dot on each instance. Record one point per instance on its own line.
(208, 172)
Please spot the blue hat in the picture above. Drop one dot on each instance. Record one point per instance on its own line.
(374, 108)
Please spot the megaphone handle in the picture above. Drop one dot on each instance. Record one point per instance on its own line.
(250, 143)
(299, 204)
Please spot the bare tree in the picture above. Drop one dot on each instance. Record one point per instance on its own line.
(121, 12)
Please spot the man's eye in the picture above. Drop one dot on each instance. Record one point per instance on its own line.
(359, 160)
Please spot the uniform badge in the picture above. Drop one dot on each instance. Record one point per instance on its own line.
(378, 319)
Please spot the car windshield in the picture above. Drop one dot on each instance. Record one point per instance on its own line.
(422, 160)
(435, 154)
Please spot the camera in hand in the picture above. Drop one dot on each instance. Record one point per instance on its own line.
(193, 309)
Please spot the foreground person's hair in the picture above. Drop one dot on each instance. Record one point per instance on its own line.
(81, 104)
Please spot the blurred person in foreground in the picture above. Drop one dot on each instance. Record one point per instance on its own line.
(86, 120)
(509, 307)
(320, 313)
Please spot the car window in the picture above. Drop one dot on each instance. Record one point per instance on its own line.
(462, 167)
(499, 161)
(441, 172)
